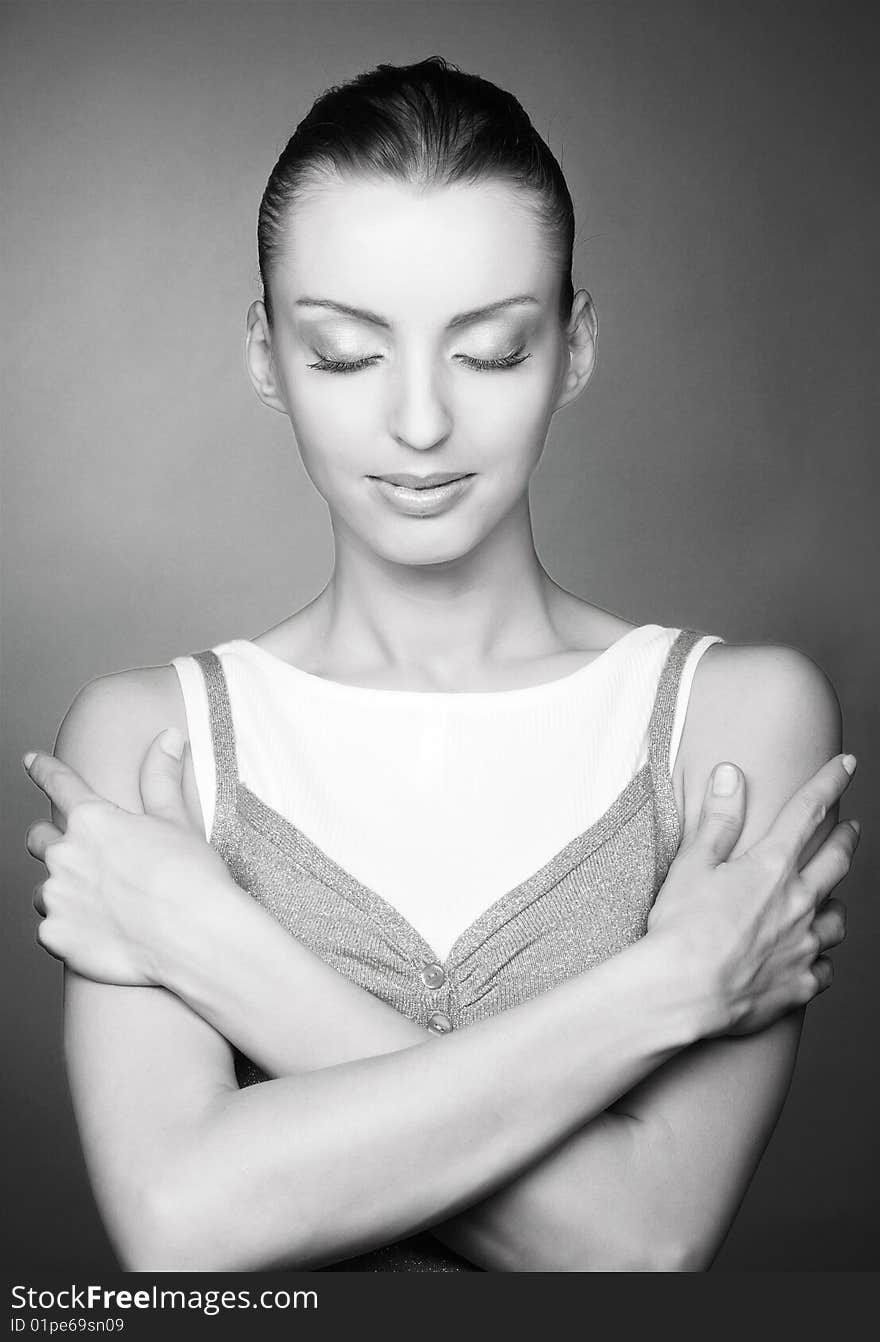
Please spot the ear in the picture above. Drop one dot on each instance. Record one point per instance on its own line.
(258, 356)
(582, 336)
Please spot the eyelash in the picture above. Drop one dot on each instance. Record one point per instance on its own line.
(479, 365)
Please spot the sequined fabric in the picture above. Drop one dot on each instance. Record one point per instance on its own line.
(589, 901)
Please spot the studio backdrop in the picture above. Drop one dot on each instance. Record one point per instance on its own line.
(720, 472)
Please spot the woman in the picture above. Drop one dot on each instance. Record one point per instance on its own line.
(604, 940)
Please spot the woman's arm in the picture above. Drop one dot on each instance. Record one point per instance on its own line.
(197, 1126)
(657, 1179)
(706, 1116)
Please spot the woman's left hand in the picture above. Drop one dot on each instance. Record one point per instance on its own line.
(121, 885)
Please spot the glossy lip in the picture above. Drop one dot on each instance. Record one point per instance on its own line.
(421, 481)
(422, 502)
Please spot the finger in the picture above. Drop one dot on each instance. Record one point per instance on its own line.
(827, 868)
(830, 925)
(40, 836)
(61, 784)
(722, 814)
(804, 812)
(160, 777)
(39, 901)
(823, 973)
(44, 937)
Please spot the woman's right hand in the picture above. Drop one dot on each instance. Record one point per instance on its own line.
(753, 930)
(127, 894)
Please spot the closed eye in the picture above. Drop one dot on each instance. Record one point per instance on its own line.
(325, 365)
(342, 366)
(508, 361)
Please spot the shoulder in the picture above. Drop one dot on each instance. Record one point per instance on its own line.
(769, 709)
(106, 730)
(761, 688)
(121, 707)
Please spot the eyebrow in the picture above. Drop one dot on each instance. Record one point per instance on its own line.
(462, 319)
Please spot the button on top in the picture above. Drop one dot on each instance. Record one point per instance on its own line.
(439, 1022)
(432, 975)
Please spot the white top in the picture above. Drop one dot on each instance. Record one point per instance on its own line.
(439, 801)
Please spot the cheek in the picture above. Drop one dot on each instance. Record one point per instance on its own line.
(338, 400)
(508, 414)
(330, 425)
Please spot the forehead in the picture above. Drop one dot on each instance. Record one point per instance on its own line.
(403, 250)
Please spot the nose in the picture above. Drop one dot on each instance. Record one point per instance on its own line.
(419, 414)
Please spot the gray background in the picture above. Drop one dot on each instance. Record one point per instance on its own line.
(720, 472)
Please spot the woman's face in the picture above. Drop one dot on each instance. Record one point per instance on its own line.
(416, 332)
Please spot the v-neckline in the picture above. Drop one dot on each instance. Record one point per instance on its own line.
(297, 845)
(652, 783)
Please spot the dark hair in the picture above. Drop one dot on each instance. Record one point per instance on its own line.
(427, 123)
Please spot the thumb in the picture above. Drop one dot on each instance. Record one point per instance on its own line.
(160, 777)
(722, 814)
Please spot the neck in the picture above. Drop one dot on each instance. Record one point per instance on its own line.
(429, 622)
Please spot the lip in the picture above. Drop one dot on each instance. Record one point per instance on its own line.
(424, 500)
(421, 481)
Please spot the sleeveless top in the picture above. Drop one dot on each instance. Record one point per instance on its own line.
(441, 800)
(590, 900)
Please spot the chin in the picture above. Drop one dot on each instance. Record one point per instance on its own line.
(422, 551)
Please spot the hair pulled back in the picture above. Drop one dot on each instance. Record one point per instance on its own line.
(428, 124)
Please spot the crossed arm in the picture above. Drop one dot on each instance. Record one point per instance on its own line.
(651, 1181)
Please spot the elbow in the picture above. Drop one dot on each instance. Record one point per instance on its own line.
(149, 1235)
(645, 1248)
(666, 1255)
(183, 1228)
(674, 1254)
(668, 1247)
(158, 1231)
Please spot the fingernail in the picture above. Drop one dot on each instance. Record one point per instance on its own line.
(28, 759)
(855, 827)
(724, 780)
(849, 763)
(171, 741)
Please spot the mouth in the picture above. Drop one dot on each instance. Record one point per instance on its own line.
(422, 481)
(428, 495)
